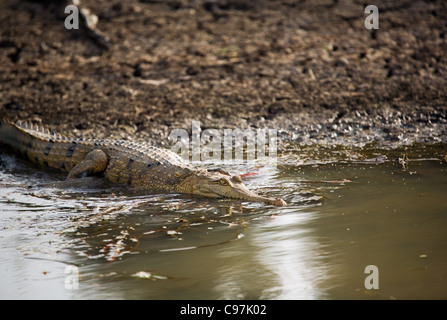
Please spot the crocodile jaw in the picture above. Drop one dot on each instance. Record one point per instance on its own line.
(234, 189)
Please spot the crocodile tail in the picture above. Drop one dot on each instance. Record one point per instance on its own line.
(42, 145)
(13, 135)
(6, 132)
(31, 141)
(4, 121)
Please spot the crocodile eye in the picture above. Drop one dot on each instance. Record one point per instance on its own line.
(223, 182)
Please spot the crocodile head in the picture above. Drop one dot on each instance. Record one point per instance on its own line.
(218, 185)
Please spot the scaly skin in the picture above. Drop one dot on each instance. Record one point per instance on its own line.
(140, 165)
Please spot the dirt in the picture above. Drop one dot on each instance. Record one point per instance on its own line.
(309, 69)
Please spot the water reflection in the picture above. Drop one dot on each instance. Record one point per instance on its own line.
(287, 250)
(276, 259)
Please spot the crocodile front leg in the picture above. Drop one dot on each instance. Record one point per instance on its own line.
(95, 162)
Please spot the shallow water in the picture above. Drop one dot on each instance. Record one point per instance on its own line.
(347, 209)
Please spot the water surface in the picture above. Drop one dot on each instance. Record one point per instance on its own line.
(347, 209)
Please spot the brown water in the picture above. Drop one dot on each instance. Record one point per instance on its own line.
(347, 209)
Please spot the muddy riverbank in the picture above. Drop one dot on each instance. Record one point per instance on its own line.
(307, 68)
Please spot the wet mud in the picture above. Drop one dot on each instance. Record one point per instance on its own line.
(309, 69)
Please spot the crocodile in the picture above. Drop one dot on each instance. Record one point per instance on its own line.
(140, 165)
